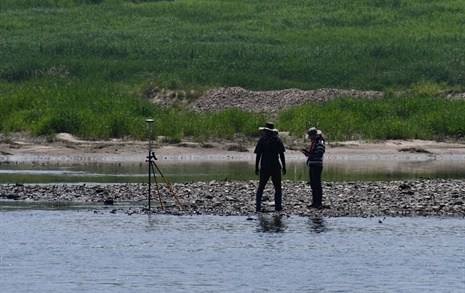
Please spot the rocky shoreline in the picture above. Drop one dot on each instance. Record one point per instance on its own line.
(421, 197)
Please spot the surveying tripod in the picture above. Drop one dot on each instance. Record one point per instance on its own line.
(152, 166)
(151, 158)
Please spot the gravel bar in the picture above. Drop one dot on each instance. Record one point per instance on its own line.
(422, 197)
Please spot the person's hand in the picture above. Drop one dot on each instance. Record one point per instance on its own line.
(257, 171)
(284, 171)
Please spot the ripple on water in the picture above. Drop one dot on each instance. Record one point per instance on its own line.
(79, 250)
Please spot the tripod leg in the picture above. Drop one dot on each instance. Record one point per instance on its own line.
(169, 186)
(174, 194)
(156, 184)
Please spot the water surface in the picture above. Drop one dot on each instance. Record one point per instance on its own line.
(182, 171)
(88, 249)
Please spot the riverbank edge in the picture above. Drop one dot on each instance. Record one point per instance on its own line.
(67, 149)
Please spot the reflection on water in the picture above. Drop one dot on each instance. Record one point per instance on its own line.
(271, 224)
(317, 225)
(357, 170)
(183, 171)
(277, 224)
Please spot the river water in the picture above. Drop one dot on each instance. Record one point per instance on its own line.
(205, 170)
(90, 249)
(83, 248)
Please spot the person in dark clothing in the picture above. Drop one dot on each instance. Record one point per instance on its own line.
(269, 150)
(314, 154)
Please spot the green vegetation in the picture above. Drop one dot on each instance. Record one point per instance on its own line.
(92, 112)
(78, 66)
(415, 116)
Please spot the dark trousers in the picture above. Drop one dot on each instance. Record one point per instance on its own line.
(276, 179)
(315, 182)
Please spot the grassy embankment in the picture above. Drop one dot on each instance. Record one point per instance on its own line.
(83, 66)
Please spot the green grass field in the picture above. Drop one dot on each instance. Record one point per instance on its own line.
(79, 66)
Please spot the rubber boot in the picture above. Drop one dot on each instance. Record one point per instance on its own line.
(278, 202)
(320, 199)
(314, 199)
(258, 202)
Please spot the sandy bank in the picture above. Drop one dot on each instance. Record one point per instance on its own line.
(67, 148)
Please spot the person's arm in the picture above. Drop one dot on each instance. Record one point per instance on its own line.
(305, 152)
(283, 161)
(315, 155)
(257, 162)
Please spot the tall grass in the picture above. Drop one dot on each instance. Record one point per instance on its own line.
(72, 65)
(46, 108)
(254, 44)
(396, 117)
(91, 112)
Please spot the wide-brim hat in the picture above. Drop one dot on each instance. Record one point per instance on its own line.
(313, 133)
(268, 126)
